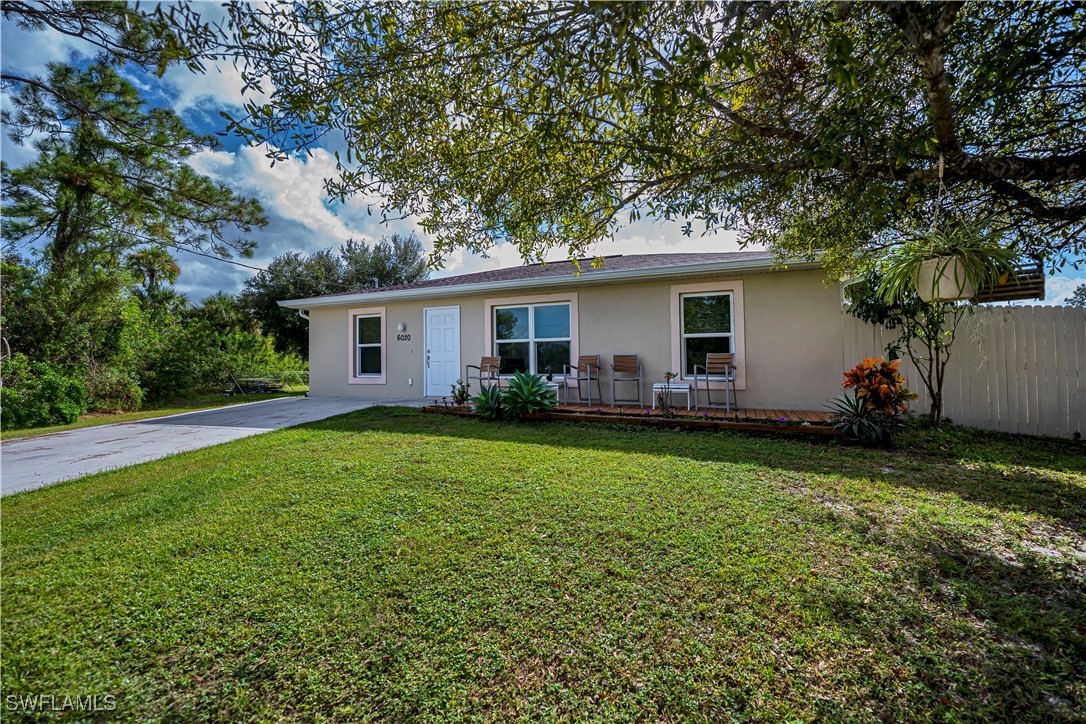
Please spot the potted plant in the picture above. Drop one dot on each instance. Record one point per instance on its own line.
(945, 265)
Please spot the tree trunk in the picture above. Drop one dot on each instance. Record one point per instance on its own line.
(935, 413)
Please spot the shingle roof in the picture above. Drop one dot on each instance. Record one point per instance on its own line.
(565, 268)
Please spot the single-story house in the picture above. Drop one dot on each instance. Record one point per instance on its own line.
(415, 340)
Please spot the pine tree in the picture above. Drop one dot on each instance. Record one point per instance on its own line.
(111, 175)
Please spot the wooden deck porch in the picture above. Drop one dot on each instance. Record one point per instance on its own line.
(745, 414)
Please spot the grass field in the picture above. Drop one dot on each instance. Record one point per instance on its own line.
(391, 564)
(176, 406)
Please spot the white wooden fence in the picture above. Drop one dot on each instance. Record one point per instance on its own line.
(1015, 369)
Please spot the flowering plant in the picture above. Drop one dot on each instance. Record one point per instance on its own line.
(880, 384)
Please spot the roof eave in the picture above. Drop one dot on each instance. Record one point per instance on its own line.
(594, 277)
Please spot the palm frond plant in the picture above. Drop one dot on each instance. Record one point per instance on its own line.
(946, 264)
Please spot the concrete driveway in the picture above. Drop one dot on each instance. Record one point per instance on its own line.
(36, 461)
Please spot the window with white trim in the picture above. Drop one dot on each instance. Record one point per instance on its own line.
(706, 327)
(532, 337)
(368, 342)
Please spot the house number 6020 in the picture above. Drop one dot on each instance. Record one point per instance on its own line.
(403, 337)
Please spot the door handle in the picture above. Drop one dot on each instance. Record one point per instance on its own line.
(427, 359)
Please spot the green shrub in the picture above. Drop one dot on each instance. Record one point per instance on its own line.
(35, 394)
(460, 393)
(111, 390)
(198, 357)
(489, 403)
(527, 394)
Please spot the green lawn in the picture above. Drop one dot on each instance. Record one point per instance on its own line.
(176, 406)
(391, 564)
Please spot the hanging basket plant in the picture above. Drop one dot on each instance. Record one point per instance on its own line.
(946, 265)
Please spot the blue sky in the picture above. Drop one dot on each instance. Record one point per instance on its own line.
(300, 216)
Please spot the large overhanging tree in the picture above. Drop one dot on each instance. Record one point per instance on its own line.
(816, 127)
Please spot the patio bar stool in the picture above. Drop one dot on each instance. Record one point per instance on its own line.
(719, 367)
(625, 368)
(586, 370)
(486, 372)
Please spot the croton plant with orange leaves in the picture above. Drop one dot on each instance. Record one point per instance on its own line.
(881, 384)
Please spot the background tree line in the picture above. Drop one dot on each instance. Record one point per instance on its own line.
(121, 335)
(90, 315)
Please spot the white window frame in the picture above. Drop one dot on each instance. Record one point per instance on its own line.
(531, 339)
(684, 335)
(536, 300)
(734, 288)
(353, 377)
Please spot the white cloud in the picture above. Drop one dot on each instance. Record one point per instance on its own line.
(219, 86)
(1058, 289)
(665, 237)
(300, 216)
(292, 189)
(28, 52)
(642, 237)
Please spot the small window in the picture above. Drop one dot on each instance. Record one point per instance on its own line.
(368, 346)
(706, 327)
(531, 338)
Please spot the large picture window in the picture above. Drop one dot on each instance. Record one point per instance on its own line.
(368, 342)
(532, 337)
(706, 327)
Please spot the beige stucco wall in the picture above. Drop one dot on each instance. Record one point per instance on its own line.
(791, 326)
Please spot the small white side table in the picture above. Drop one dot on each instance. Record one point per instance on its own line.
(673, 387)
(558, 383)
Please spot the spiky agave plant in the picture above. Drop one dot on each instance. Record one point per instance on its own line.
(856, 417)
(528, 393)
(489, 403)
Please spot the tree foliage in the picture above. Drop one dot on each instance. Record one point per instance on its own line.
(152, 38)
(1078, 297)
(89, 314)
(151, 266)
(97, 338)
(352, 267)
(111, 174)
(818, 127)
(926, 331)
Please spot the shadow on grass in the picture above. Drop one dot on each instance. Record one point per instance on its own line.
(1038, 619)
(1005, 635)
(995, 639)
(1015, 487)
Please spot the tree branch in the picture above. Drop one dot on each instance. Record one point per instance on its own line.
(1037, 206)
(928, 45)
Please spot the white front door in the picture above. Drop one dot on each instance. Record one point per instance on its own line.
(442, 350)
